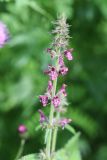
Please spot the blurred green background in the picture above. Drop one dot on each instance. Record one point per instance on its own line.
(23, 60)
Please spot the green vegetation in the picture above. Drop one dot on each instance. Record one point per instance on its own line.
(23, 60)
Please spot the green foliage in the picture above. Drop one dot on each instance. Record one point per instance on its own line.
(83, 120)
(30, 157)
(23, 60)
(69, 152)
(70, 129)
(101, 153)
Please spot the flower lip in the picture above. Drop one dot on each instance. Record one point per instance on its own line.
(52, 72)
(53, 69)
(64, 121)
(63, 70)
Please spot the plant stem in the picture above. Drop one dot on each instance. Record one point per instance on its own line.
(55, 134)
(21, 148)
(48, 145)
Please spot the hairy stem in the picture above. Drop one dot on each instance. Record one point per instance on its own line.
(20, 151)
(48, 146)
(59, 45)
(54, 138)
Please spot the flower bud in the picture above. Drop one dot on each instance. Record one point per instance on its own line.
(22, 129)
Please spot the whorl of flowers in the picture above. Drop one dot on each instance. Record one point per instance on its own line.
(56, 98)
(4, 35)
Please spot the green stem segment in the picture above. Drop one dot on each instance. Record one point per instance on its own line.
(52, 133)
(20, 151)
(54, 139)
(50, 130)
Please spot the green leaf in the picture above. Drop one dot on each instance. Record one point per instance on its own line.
(38, 128)
(70, 151)
(73, 142)
(30, 157)
(70, 129)
(34, 5)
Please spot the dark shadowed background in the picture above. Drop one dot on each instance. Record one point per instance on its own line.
(24, 58)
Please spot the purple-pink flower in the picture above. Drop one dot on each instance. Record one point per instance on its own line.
(43, 99)
(63, 70)
(56, 101)
(62, 90)
(52, 72)
(61, 61)
(22, 129)
(50, 85)
(58, 51)
(64, 121)
(42, 116)
(68, 54)
(4, 36)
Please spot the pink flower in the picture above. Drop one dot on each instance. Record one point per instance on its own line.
(51, 52)
(52, 72)
(62, 90)
(4, 36)
(50, 86)
(22, 129)
(56, 101)
(63, 70)
(42, 116)
(43, 99)
(63, 122)
(61, 61)
(68, 54)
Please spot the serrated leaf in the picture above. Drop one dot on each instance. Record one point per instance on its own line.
(70, 151)
(73, 142)
(30, 157)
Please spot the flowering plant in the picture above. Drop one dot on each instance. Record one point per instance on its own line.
(56, 98)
